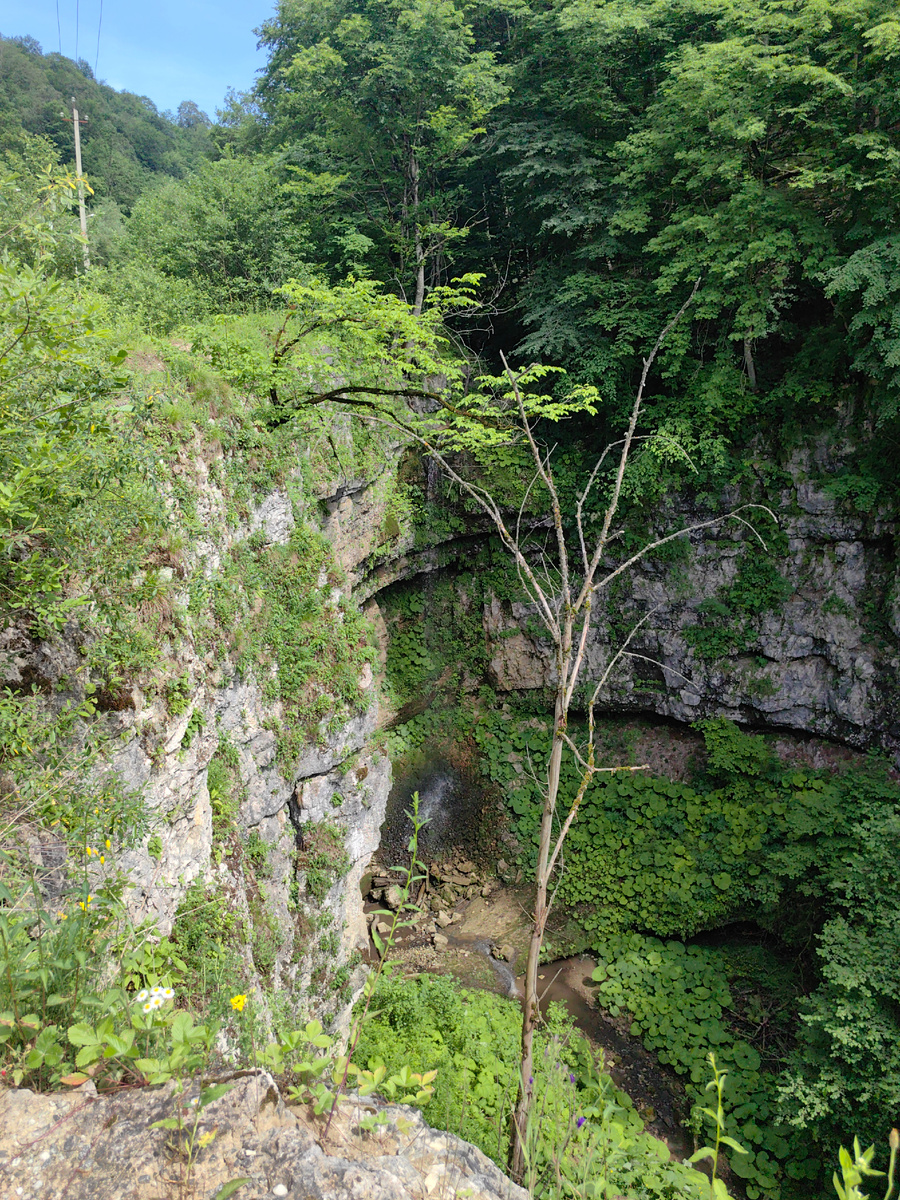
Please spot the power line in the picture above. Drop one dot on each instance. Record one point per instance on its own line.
(58, 27)
(99, 27)
(76, 30)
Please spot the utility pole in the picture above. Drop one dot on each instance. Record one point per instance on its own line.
(76, 125)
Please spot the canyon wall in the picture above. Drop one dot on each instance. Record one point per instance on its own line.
(819, 654)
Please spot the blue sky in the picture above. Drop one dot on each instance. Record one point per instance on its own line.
(169, 50)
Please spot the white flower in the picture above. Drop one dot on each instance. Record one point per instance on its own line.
(149, 1006)
(142, 995)
(167, 994)
(156, 1002)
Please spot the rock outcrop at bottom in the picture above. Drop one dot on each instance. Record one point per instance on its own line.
(81, 1146)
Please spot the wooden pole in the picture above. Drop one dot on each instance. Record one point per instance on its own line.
(81, 210)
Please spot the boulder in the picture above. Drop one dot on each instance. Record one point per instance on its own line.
(85, 1146)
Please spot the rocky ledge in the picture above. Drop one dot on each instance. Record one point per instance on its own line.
(81, 1146)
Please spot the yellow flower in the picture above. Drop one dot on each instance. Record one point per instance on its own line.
(103, 858)
(238, 1002)
(108, 843)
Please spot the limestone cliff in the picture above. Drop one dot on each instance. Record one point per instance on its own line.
(822, 658)
(285, 849)
(83, 1146)
(809, 643)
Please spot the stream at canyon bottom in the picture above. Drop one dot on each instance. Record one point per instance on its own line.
(455, 814)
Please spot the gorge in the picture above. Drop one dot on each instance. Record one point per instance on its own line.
(309, 415)
(282, 845)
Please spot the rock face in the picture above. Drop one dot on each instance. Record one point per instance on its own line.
(297, 901)
(823, 659)
(81, 1147)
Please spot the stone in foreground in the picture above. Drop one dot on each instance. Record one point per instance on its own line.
(82, 1146)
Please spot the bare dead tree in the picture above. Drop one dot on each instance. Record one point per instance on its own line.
(564, 596)
(565, 601)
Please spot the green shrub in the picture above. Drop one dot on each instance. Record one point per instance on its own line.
(677, 997)
(583, 1126)
(322, 857)
(206, 932)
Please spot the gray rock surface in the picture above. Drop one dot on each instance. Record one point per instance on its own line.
(80, 1146)
(334, 780)
(826, 660)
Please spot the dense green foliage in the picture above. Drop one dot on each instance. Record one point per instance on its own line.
(377, 107)
(649, 858)
(600, 157)
(783, 847)
(587, 162)
(677, 997)
(584, 1130)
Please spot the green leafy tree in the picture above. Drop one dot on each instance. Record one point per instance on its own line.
(379, 106)
(648, 144)
(228, 231)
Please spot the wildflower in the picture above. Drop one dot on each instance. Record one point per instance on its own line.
(238, 1002)
(84, 907)
(88, 851)
(142, 995)
(156, 1002)
(167, 994)
(63, 916)
(148, 1007)
(108, 843)
(102, 858)
(580, 1122)
(571, 1077)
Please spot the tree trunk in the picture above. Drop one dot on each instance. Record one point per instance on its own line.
(749, 363)
(531, 1013)
(417, 236)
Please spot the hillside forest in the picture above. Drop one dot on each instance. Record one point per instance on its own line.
(427, 256)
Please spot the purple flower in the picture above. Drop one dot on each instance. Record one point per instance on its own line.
(530, 1080)
(580, 1122)
(571, 1077)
